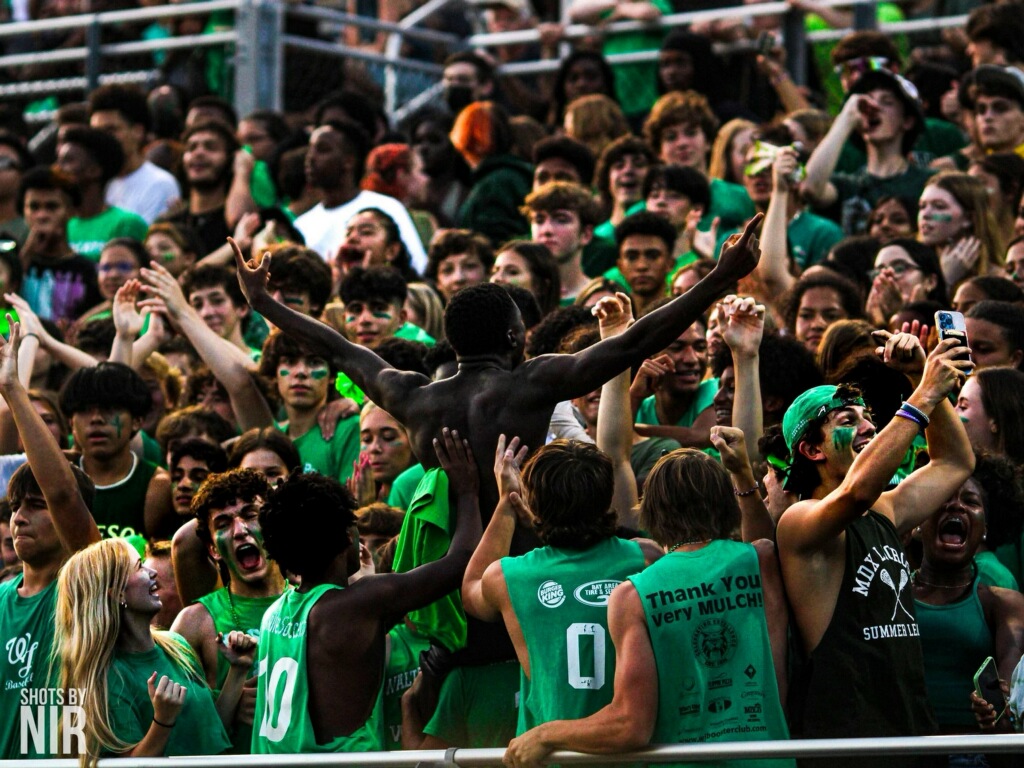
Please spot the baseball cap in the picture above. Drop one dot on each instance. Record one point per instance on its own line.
(993, 81)
(904, 90)
(809, 407)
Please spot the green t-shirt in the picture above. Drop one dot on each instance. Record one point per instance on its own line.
(560, 598)
(334, 458)
(283, 714)
(705, 395)
(88, 236)
(477, 706)
(403, 666)
(26, 629)
(811, 237)
(403, 487)
(858, 192)
(730, 203)
(993, 573)
(707, 627)
(637, 84)
(198, 729)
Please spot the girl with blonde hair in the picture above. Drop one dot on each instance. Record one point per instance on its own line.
(145, 692)
(956, 219)
(729, 152)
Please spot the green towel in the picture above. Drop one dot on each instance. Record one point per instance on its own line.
(425, 537)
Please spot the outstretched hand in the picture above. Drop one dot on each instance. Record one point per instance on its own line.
(902, 351)
(740, 253)
(507, 462)
(456, 458)
(238, 647)
(252, 275)
(9, 356)
(128, 321)
(614, 314)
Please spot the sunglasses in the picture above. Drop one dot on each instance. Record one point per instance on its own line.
(861, 65)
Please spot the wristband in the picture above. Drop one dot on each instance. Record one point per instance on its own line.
(921, 415)
(33, 335)
(911, 417)
(164, 725)
(741, 494)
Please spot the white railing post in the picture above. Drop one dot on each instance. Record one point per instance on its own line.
(259, 57)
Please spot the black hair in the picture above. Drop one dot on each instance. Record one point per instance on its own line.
(192, 420)
(228, 113)
(613, 153)
(219, 127)
(23, 483)
(527, 304)
(576, 153)
(49, 179)
(102, 147)
(127, 100)
(402, 261)
(438, 355)
(706, 64)
(478, 318)
(1001, 25)
(133, 246)
(853, 257)
(849, 297)
(201, 449)
(279, 345)
(304, 503)
(15, 142)
(646, 223)
(682, 179)
(273, 123)
(403, 354)
(998, 288)
(110, 386)
(1002, 493)
(927, 261)
(1009, 317)
(549, 332)
(787, 369)
(357, 142)
(373, 283)
(359, 110)
(1001, 388)
(559, 100)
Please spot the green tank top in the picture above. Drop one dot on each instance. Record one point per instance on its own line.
(119, 508)
(282, 693)
(246, 617)
(560, 597)
(716, 676)
(403, 666)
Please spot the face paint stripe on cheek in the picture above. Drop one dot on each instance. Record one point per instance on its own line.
(284, 372)
(318, 373)
(842, 437)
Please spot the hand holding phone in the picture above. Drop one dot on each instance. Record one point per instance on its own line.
(951, 325)
(986, 685)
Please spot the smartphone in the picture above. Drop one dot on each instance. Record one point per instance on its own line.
(986, 685)
(951, 325)
(765, 43)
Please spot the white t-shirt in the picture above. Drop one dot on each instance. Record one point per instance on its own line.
(324, 228)
(148, 191)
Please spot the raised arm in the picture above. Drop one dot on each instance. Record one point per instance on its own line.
(497, 539)
(72, 521)
(72, 357)
(564, 377)
(742, 331)
(773, 269)
(370, 373)
(395, 594)
(128, 323)
(755, 521)
(809, 525)
(823, 160)
(614, 414)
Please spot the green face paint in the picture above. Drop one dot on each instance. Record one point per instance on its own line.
(284, 372)
(115, 422)
(222, 541)
(842, 438)
(318, 373)
(382, 315)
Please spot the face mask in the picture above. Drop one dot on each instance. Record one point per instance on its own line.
(458, 97)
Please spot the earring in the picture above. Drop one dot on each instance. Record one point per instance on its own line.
(124, 603)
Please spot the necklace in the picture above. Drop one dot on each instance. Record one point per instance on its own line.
(234, 613)
(679, 544)
(922, 582)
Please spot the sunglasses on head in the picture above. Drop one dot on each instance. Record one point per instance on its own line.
(862, 64)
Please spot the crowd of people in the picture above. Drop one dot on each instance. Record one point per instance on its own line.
(618, 425)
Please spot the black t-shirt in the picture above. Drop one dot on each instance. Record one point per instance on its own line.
(211, 227)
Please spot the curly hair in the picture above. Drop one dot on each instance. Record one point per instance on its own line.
(299, 269)
(569, 488)
(478, 318)
(1002, 491)
(451, 242)
(279, 345)
(222, 490)
(849, 297)
(203, 450)
(373, 283)
(613, 153)
(547, 335)
(304, 503)
(679, 108)
(213, 276)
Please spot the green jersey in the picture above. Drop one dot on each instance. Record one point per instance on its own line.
(229, 613)
(282, 690)
(26, 629)
(560, 597)
(647, 413)
(403, 666)
(119, 508)
(198, 729)
(477, 706)
(716, 676)
(88, 236)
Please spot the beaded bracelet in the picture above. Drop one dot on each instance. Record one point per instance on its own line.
(741, 494)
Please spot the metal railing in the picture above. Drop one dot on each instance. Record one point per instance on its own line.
(259, 41)
(488, 758)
